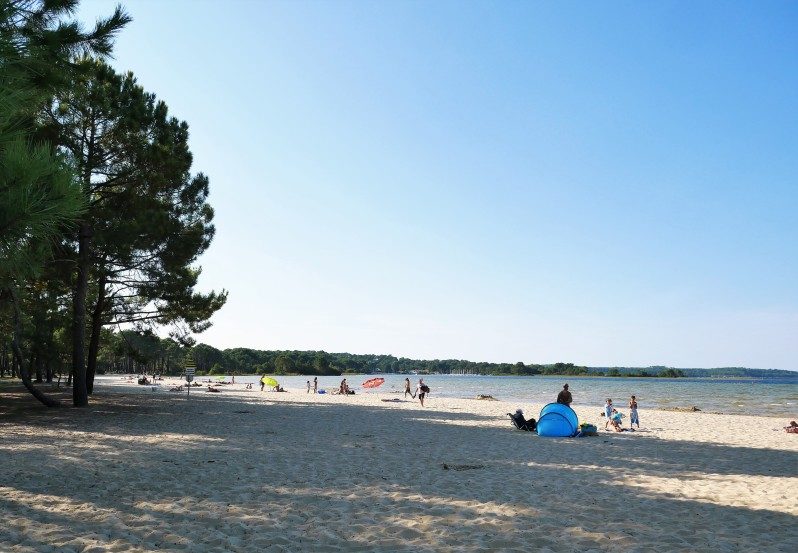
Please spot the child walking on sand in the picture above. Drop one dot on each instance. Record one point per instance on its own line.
(633, 418)
(608, 413)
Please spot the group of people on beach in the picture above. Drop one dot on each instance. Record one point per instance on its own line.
(343, 389)
(421, 390)
(613, 417)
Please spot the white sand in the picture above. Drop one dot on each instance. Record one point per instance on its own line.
(251, 471)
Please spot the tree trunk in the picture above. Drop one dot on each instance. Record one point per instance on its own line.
(80, 396)
(49, 358)
(37, 362)
(17, 352)
(94, 342)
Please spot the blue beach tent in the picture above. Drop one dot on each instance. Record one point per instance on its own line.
(557, 420)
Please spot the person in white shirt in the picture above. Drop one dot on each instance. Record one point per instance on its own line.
(421, 390)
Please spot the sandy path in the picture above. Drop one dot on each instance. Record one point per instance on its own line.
(246, 471)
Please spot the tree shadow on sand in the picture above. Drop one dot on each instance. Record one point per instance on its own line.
(259, 481)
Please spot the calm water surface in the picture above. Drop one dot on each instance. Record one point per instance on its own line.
(765, 396)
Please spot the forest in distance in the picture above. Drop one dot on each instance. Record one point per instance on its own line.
(144, 352)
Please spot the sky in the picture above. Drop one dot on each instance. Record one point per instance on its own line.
(608, 184)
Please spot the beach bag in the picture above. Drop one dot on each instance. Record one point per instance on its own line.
(425, 389)
(588, 429)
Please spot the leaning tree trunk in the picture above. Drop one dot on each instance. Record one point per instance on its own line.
(80, 395)
(94, 342)
(17, 352)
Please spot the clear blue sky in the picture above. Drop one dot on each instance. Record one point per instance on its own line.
(601, 183)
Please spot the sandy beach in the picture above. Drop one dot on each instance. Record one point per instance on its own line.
(144, 470)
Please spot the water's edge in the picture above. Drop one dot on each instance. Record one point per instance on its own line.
(750, 396)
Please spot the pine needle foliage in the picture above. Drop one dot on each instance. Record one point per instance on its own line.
(40, 194)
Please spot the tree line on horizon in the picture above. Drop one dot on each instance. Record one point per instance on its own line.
(101, 217)
(133, 351)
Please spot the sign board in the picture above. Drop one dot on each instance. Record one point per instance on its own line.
(190, 369)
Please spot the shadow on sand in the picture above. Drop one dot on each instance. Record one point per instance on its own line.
(233, 444)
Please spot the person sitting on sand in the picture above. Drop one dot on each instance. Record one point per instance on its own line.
(408, 390)
(792, 428)
(344, 388)
(565, 396)
(212, 389)
(615, 421)
(278, 388)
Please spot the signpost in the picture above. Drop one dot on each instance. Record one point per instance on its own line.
(191, 367)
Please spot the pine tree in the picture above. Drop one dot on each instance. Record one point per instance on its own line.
(148, 218)
(38, 192)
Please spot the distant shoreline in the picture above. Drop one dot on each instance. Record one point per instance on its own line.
(651, 377)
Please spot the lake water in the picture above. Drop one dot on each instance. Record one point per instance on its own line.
(765, 396)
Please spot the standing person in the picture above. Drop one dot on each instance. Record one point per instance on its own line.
(344, 389)
(262, 384)
(633, 418)
(408, 390)
(421, 390)
(308, 387)
(564, 396)
(315, 384)
(608, 413)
